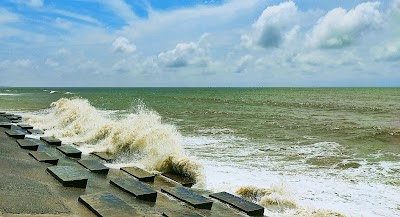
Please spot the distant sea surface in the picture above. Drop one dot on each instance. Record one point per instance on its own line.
(334, 148)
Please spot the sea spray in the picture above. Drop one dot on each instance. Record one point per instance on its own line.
(160, 144)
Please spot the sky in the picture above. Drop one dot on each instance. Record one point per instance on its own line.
(199, 43)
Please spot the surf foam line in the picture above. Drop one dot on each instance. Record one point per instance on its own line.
(142, 131)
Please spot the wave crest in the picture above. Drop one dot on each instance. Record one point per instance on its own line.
(142, 131)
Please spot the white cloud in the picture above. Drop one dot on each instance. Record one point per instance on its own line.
(7, 16)
(243, 63)
(183, 55)
(50, 62)
(340, 28)
(31, 3)
(120, 8)
(123, 45)
(273, 26)
(389, 51)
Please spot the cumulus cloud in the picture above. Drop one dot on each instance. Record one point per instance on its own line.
(52, 63)
(340, 28)
(123, 45)
(243, 63)
(274, 25)
(184, 54)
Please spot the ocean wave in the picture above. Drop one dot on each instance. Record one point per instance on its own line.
(159, 144)
(278, 199)
(8, 94)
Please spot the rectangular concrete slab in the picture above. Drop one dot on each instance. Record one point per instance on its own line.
(70, 151)
(13, 117)
(7, 125)
(104, 156)
(69, 176)
(35, 131)
(189, 197)
(180, 214)
(107, 205)
(135, 188)
(25, 126)
(44, 157)
(16, 134)
(51, 140)
(28, 144)
(248, 207)
(94, 166)
(139, 173)
(180, 179)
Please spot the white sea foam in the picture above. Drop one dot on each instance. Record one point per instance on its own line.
(160, 145)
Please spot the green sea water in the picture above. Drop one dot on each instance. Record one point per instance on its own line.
(306, 137)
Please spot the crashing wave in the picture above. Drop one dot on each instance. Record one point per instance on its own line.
(159, 144)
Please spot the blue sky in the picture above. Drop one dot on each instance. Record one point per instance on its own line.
(199, 43)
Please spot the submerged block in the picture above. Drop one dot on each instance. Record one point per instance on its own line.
(7, 125)
(69, 176)
(180, 179)
(70, 151)
(28, 144)
(104, 156)
(135, 188)
(139, 173)
(107, 205)
(180, 214)
(51, 141)
(25, 126)
(44, 157)
(189, 197)
(17, 134)
(248, 207)
(35, 131)
(94, 166)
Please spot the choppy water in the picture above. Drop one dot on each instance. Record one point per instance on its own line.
(323, 148)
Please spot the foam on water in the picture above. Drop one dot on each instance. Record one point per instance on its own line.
(159, 144)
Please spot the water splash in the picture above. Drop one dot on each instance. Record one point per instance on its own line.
(142, 131)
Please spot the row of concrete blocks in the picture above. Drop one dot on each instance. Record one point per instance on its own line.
(106, 204)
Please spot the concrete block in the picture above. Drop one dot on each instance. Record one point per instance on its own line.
(70, 151)
(25, 126)
(7, 125)
(180, 214)
(107, 205)
(28, 144)
(35, 131)
(139, 173)
(94, 166)
(69, 176)
(51, 141)
(180, 179)
(16, 134)
(248, 207)
(189, 197)
(135, 188)
(44, 157)
(104, 156)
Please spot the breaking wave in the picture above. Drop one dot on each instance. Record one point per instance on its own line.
(279, 202)
(158, 144)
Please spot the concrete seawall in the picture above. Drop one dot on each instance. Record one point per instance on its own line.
(28, 187)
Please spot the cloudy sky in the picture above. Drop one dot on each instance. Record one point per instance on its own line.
(199, 43)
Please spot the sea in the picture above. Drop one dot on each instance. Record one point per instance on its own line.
(296, 151)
